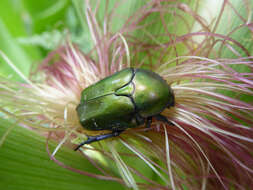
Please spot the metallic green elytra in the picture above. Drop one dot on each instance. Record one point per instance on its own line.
(126, 99)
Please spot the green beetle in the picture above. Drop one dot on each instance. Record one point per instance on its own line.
(126, 99)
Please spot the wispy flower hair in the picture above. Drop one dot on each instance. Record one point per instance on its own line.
(210, 142)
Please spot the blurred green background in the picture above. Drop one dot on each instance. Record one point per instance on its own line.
(29, 29)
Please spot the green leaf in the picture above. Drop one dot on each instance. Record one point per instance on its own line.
(229, 26)
(25, 164)
(15, 53)
(12, 26)
(46, 15)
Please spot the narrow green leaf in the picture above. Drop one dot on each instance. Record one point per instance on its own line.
(25, 164)
(17, 55)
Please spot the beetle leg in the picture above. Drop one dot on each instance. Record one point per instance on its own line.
(148, 122)
(92, 139)
(163, 119)
(140, 120)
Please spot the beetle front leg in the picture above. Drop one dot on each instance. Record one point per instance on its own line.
(92, 139)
